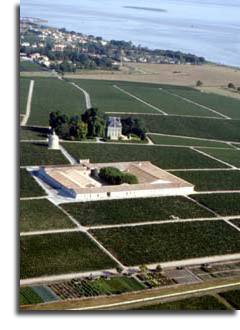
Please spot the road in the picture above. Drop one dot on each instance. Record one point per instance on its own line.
(162, 296)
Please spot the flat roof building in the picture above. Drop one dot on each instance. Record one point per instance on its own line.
(82, 182)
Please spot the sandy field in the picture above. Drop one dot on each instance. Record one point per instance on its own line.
(212, 76)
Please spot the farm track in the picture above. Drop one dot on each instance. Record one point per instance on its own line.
(195, 103)
(134, 224)
(29, 103)
(140, 100)
(164, 265)
(214, 158)
(86, 94)
(160, 114)
(215, 213)
(193, 137)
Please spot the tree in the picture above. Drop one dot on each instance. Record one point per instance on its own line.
(159, 268)
(95, 122)
(231, 85)
(56, 121)
(199, 83)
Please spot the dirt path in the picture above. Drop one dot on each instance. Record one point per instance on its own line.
(215, 213)
(140, 100)
(193, 137)
(29, 102)
(215, 158)
(198, 104)
(86, 94)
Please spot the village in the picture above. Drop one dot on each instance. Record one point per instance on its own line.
(69, 50)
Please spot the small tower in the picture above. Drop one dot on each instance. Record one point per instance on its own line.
(53, 141)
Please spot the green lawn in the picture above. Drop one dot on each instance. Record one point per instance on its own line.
(28, 186)
(233, 297)
(24, 87)
(229, 156)
(212, 180)
(134, 210)
(170, 140)
(33, 133)
(39, 154)
(52, 94)
(226, 130)
(108, 99)
(28, 66)
(41, 214)
(60, 254)
(168, 242)
(164, 157)
(204, 303)
(223, 204)
(223, 104)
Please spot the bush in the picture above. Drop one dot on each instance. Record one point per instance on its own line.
(231, 85)
(115, 177)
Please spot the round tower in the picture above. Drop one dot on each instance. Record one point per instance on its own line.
(53, 141)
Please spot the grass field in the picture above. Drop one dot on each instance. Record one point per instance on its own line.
(226, 130)
(229, 156)
(30, 67)
(233, 297)
(204, 303)
(164, 157)
(60, 254)
(134, 210)
(28, 186)
(42, 215)
(168, 242)
(23, 93)
(225, 105)
(52, 94)
(223, 204)
(108, 99)
(212, 180)
(33, 133)
(170, 140)
(39, 154)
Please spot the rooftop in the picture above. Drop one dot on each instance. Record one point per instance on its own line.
(79, 178)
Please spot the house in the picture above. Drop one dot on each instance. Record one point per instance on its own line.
(114, 128)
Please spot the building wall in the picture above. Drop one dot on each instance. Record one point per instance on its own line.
(114, 132)
(135, 194)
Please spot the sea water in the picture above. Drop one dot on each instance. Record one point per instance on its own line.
(209, 28)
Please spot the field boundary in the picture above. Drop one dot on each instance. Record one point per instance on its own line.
(195, 103)
(215, 158)
(140, 100)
